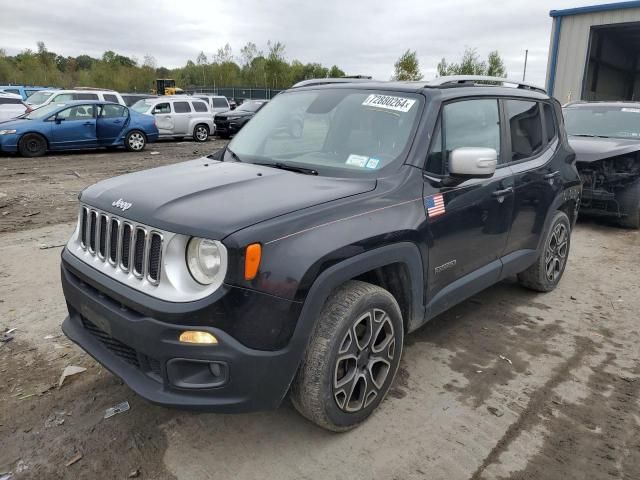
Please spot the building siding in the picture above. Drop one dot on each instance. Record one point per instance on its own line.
(573, 46)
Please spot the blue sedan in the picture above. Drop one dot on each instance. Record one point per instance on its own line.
(77, 125)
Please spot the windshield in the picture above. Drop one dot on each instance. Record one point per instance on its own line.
(43, 112)
(250, 106)
(603, 121)
(340, 132)
(39, 97)
(141, 106)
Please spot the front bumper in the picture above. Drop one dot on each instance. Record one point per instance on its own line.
(228, 127)
(145, 352)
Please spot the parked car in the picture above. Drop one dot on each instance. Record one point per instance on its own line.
(45, 97)
(217, 103)
(131, 98)
(77, 125)
(25, 91)
(179, 116)
(297, 265)
(11, 106)
(606, 139)
(230, 122)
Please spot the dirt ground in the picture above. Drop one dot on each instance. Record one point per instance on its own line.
(508, 385)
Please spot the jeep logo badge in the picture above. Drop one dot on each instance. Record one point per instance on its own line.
(122, 205)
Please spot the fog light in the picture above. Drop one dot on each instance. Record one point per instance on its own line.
(196, 336)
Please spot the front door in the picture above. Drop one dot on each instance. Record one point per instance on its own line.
(468, 223)
(111, 121)
(74, 127)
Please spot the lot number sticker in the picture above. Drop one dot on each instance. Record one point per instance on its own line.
(357, 160)
(388, 102)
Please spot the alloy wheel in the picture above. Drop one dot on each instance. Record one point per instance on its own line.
(556, 252)
(201, 134)
(136, 141)
(364, 361)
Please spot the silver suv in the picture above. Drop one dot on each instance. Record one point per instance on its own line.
(179, 116)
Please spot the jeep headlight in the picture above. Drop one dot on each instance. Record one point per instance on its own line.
(7, 132)
(206, 260)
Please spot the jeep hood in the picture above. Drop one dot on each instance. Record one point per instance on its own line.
(590, 149)
(213, 199)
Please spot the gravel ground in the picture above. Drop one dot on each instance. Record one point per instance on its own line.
(508, 385)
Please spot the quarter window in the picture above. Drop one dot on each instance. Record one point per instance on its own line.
(200, 107)
(549, 121)
(525, 124)
(468, 123)
(181, 107)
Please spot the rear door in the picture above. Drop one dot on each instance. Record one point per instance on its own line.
(533, 145)
(112, 119)
(164, 118)
(181, 117)
(74, 127)
(468, 223)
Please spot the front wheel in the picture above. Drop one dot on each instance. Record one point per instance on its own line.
(135, 141)
(201, 133)
(352, 357)
(32, 145)
(545, 274)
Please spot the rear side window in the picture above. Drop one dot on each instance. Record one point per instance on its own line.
(10, 101)
(181, 107)
(220, 103)
(200, 107)
(85, 96)
(525, 124)
(110, 98)
(549, 121)
(113, 111)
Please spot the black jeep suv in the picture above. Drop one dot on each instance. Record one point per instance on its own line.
(298, 263)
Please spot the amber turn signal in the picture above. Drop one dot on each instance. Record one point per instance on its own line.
(197, 336)
(252, 257)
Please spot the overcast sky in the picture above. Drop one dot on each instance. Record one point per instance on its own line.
(361, 37)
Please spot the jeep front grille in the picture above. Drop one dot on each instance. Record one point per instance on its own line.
(124, 245)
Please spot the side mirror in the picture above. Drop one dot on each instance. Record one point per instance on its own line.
(58, 120)
(473, 162)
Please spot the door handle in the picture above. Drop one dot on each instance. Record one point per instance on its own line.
(502, 193)
(87, 124)
(551, 175)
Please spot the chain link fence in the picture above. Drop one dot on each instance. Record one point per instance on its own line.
(237, 93)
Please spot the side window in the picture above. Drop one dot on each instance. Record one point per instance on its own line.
(85, 96)
(162, 108)
(181, 107)
(78, 112)
(220, 103)
(525, 124)
(113, 111)
(28, 93)
(12, 101)
(12, 90)
(63, 97)
(200, 107)
(549, 121)
(108, 97)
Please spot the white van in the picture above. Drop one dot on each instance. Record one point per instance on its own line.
(217, 103)
(45, 97)
(179, 116)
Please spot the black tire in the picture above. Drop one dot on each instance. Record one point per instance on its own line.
(32, 145)
(135, 141)
(545, 274)
(201, 133)
(339, 384)
(629, 201)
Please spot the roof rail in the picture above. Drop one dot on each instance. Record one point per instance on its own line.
(465, 80)
(93, 88)
(325, 81)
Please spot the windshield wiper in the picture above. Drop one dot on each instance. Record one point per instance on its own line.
(291, 168)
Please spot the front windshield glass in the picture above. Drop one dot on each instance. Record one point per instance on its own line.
(43, 112)
(141, 106)
(250, 106)
(603, 121)
(39, 97)
(336, 132)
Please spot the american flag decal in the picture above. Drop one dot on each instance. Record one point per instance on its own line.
(435, 205)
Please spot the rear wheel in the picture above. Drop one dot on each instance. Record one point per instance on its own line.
(135, 141)
(201, 133)
(32, 145)
(545, 274)
(352, 357)
(629, 201)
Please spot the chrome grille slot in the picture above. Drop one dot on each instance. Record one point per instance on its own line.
(155, 255)
(130, 249)
(93, 225)
(125, 250)
(102, 244)
(139, 251)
